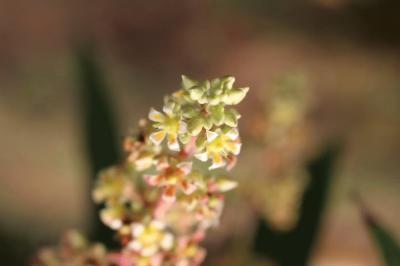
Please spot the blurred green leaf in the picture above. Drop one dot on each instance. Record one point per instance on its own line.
(15, 249)
(100, 129)
(293, 248)
(389, 249)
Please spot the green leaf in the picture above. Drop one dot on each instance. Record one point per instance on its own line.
(16, 248)
(99, 128)
(293, 248)
(387, 245)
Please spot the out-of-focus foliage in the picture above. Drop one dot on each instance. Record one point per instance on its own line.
(294, 247)
(15, 250)
(99, 125)
(285, 136)
(387, 245)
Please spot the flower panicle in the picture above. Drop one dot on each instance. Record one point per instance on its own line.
(159, 199)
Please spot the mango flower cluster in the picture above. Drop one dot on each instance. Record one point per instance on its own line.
(161, 199)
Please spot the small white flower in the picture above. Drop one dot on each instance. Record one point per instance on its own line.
(218, 146)
(149, 238)
(168, 126)
(170, 178)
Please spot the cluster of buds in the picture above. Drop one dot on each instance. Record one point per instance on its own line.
(201, 112)
(161, 199)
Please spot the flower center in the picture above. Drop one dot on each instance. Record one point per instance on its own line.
(172, 175)
(217, 145)
(150, 236)
(171, 125)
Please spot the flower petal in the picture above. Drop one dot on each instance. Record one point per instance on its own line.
(191, 203)
(167, 241)
(168, 193)
(188, 187)
(144, 163)
(211, 135)
(157, 137)
(115, 224)
(162, 164)
(149, 250)
(137, 229)
(186, 167)
(156, 116)
(231, 162)
(157, 224)
(234, 147)
(152, 180)
(217, 160)
(173, 143)
(233, 134)
(182, 127)
(202, 156)
(135, 245)
(112, 216)
(168, 109)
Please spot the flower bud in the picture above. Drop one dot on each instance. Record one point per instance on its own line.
(189, 111)
(227, 82)
(187, 83)
(217, 114)
(208, 123)
(195, 125)
(196, 93)
(184, 138)
(201, 141)
(231, 117)
(235, 96)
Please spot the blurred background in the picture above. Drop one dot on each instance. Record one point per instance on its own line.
(340, 57)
